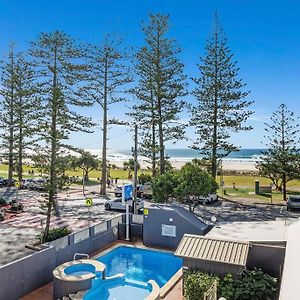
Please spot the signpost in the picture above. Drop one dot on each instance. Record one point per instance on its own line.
(89, 203)
(17, 185)
(127, 193)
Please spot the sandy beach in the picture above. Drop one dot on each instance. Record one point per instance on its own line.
(228, 165)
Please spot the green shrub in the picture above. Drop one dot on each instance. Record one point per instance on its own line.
(16, 206)
(256, 285)
(2, 201)
(227, 287)
(145, 178)
(196, 284)
(253, 285)
(55, 233)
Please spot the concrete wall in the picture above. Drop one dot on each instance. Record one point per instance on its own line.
(184, 221)
(270, 258)
(31, 272)
(27, 274)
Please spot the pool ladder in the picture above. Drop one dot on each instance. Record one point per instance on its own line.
(80, 254)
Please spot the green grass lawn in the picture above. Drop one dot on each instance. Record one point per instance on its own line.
(244, 181)
(249, 193)
(244, 184)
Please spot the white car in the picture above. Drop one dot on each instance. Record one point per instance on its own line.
(118, 205)
(293, 202)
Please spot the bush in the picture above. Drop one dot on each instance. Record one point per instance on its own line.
(16, 206)
(164, 186)
(256, 285)
(197, 283)
(55, 233)
(227, 287)
(2, 216)
(253, 285)
(3, 201)
(145, 178)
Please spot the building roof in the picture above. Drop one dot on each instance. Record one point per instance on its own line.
(259, 231)
(291, 270)
(211, 249)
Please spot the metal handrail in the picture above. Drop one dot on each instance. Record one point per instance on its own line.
(80, 254)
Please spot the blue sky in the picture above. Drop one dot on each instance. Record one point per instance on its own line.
(263, 35)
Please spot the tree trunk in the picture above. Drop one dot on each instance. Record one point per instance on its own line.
(20, 148)
(53, 180)
(153, 136)
(20, 154)
(153, 151)
(104, 141)
(161, 140)
(215, 115)
(284, 186)
(11, 120)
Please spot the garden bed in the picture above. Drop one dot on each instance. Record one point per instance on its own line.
(253, 285)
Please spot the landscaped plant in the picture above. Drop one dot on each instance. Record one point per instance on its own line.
(253, 285)
(227, 287)
(190, 181)
(15, 205)
(3, 201)
(145, 178)
(197, 283)
(164, 186)
(256, 285)
(2, 216)
(54, 234)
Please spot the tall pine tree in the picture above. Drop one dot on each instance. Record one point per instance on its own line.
(61, 72)
(221, 107)
(27, 111)
(281, 161)
(109, 74)
(159, 91)
(8, 109)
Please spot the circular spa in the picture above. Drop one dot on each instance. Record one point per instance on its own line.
(74, 276)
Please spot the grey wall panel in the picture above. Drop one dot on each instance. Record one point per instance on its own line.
(184, 223)
(27, 274)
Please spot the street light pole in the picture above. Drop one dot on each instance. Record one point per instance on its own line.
(135, 169)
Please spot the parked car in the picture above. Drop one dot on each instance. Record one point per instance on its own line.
(6, 182)
(147, 191)
(37, 184)
(25, 183)
(118, 191)
(118, 205)
(210, 198)
(293, 202)
(2, 182)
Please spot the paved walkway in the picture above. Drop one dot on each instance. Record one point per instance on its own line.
(20, 229)
(176, 292)
(43, 293)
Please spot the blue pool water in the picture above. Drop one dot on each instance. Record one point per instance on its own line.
(79, 269)
(138, 265)
(119, 289)
(141, 264)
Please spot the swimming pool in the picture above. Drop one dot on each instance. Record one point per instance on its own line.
(138, 266)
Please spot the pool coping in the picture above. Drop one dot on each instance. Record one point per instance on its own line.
(59, 272)
(154, 295)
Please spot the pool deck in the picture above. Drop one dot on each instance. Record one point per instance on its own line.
(46, 292)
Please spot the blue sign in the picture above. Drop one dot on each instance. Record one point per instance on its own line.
(127, 192)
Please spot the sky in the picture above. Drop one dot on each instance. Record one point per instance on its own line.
(263, 36)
